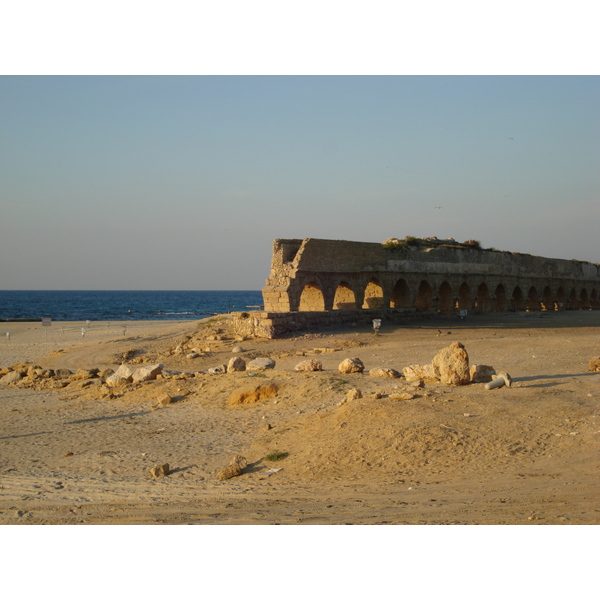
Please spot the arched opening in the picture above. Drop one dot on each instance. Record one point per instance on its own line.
(572, 303)
(561, 299)
(594, 302)
(344, 298)
(482, 302)
(547, 300)
(533, 300)
(400, 295)
(373, 295)
(584, 303)
(517, 301)
(424, 297)
(500, 300)
(312, 298)
(446, 301)
(464, 297)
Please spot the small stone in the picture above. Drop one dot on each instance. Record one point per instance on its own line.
(384, 372)
(594, 364)
(236, 363)
(192, 355)
(351, 365)
(160, 471)
(219, 370)
(353, 394)
(235, 468)
(481, 373)
(237, 349)
(261, 364)
(11, 377)
(309, 365)
(164, 400)
(401, 396)
(419, 372)
(147, 373)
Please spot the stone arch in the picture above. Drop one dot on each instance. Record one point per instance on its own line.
(401, 295)
(572, 303)
(446, 300)
(533, 299)
(547, 299)
(517, 301)
(584, 303)
(561, 298)
(344, 298)
(464, 296)
(311, 298)
(424, 301)
(500, 300)
(482, 300)
(373, 295)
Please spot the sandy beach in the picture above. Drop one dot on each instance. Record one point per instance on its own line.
(528, 454)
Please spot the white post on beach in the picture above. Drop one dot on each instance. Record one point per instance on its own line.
(83, 330)
(376, 325)
(8, 335)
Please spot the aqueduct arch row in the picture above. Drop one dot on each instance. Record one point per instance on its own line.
(472, 296)
(332, 275)
(315, 282)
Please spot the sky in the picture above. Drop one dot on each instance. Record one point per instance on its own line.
(183, 182)
(110, 180)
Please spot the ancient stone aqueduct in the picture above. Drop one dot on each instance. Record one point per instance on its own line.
(317, 282)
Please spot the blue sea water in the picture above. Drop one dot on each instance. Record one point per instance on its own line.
(123, 305)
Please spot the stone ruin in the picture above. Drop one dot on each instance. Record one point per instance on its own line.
(315, 282)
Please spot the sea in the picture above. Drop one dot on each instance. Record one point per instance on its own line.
(105, 305)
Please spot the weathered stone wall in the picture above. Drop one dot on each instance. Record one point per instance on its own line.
(315, 281)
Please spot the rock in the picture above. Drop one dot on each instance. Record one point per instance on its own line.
(236, 467)
(351, 365)
(192, 355)
(401, 396)
(164, 400)
(595, 364)
(11, 377)
(481, 373)
(251, 394)
(81, 374)
(309, 365)
(147, 373)
(236, 363)
(160, 471)
(62, 373)
(237, 349)
(260, 364)
(219, 370)
(423, 373)
(451, 365)
(384, 372)
(353, 394)
(418, 384)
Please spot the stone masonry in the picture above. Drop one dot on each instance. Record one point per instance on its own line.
(316, 282)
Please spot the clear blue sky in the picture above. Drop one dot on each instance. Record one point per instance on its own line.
(184, 182)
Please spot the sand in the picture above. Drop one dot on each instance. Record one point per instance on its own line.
(528, 454)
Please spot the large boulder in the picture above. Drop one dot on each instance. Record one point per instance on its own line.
(351, 365)
(451, 365)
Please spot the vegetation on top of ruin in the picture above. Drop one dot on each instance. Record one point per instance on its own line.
(409, 241)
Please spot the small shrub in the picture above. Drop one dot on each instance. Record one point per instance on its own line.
(276, 455)
(472, 244)
(411, 241)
